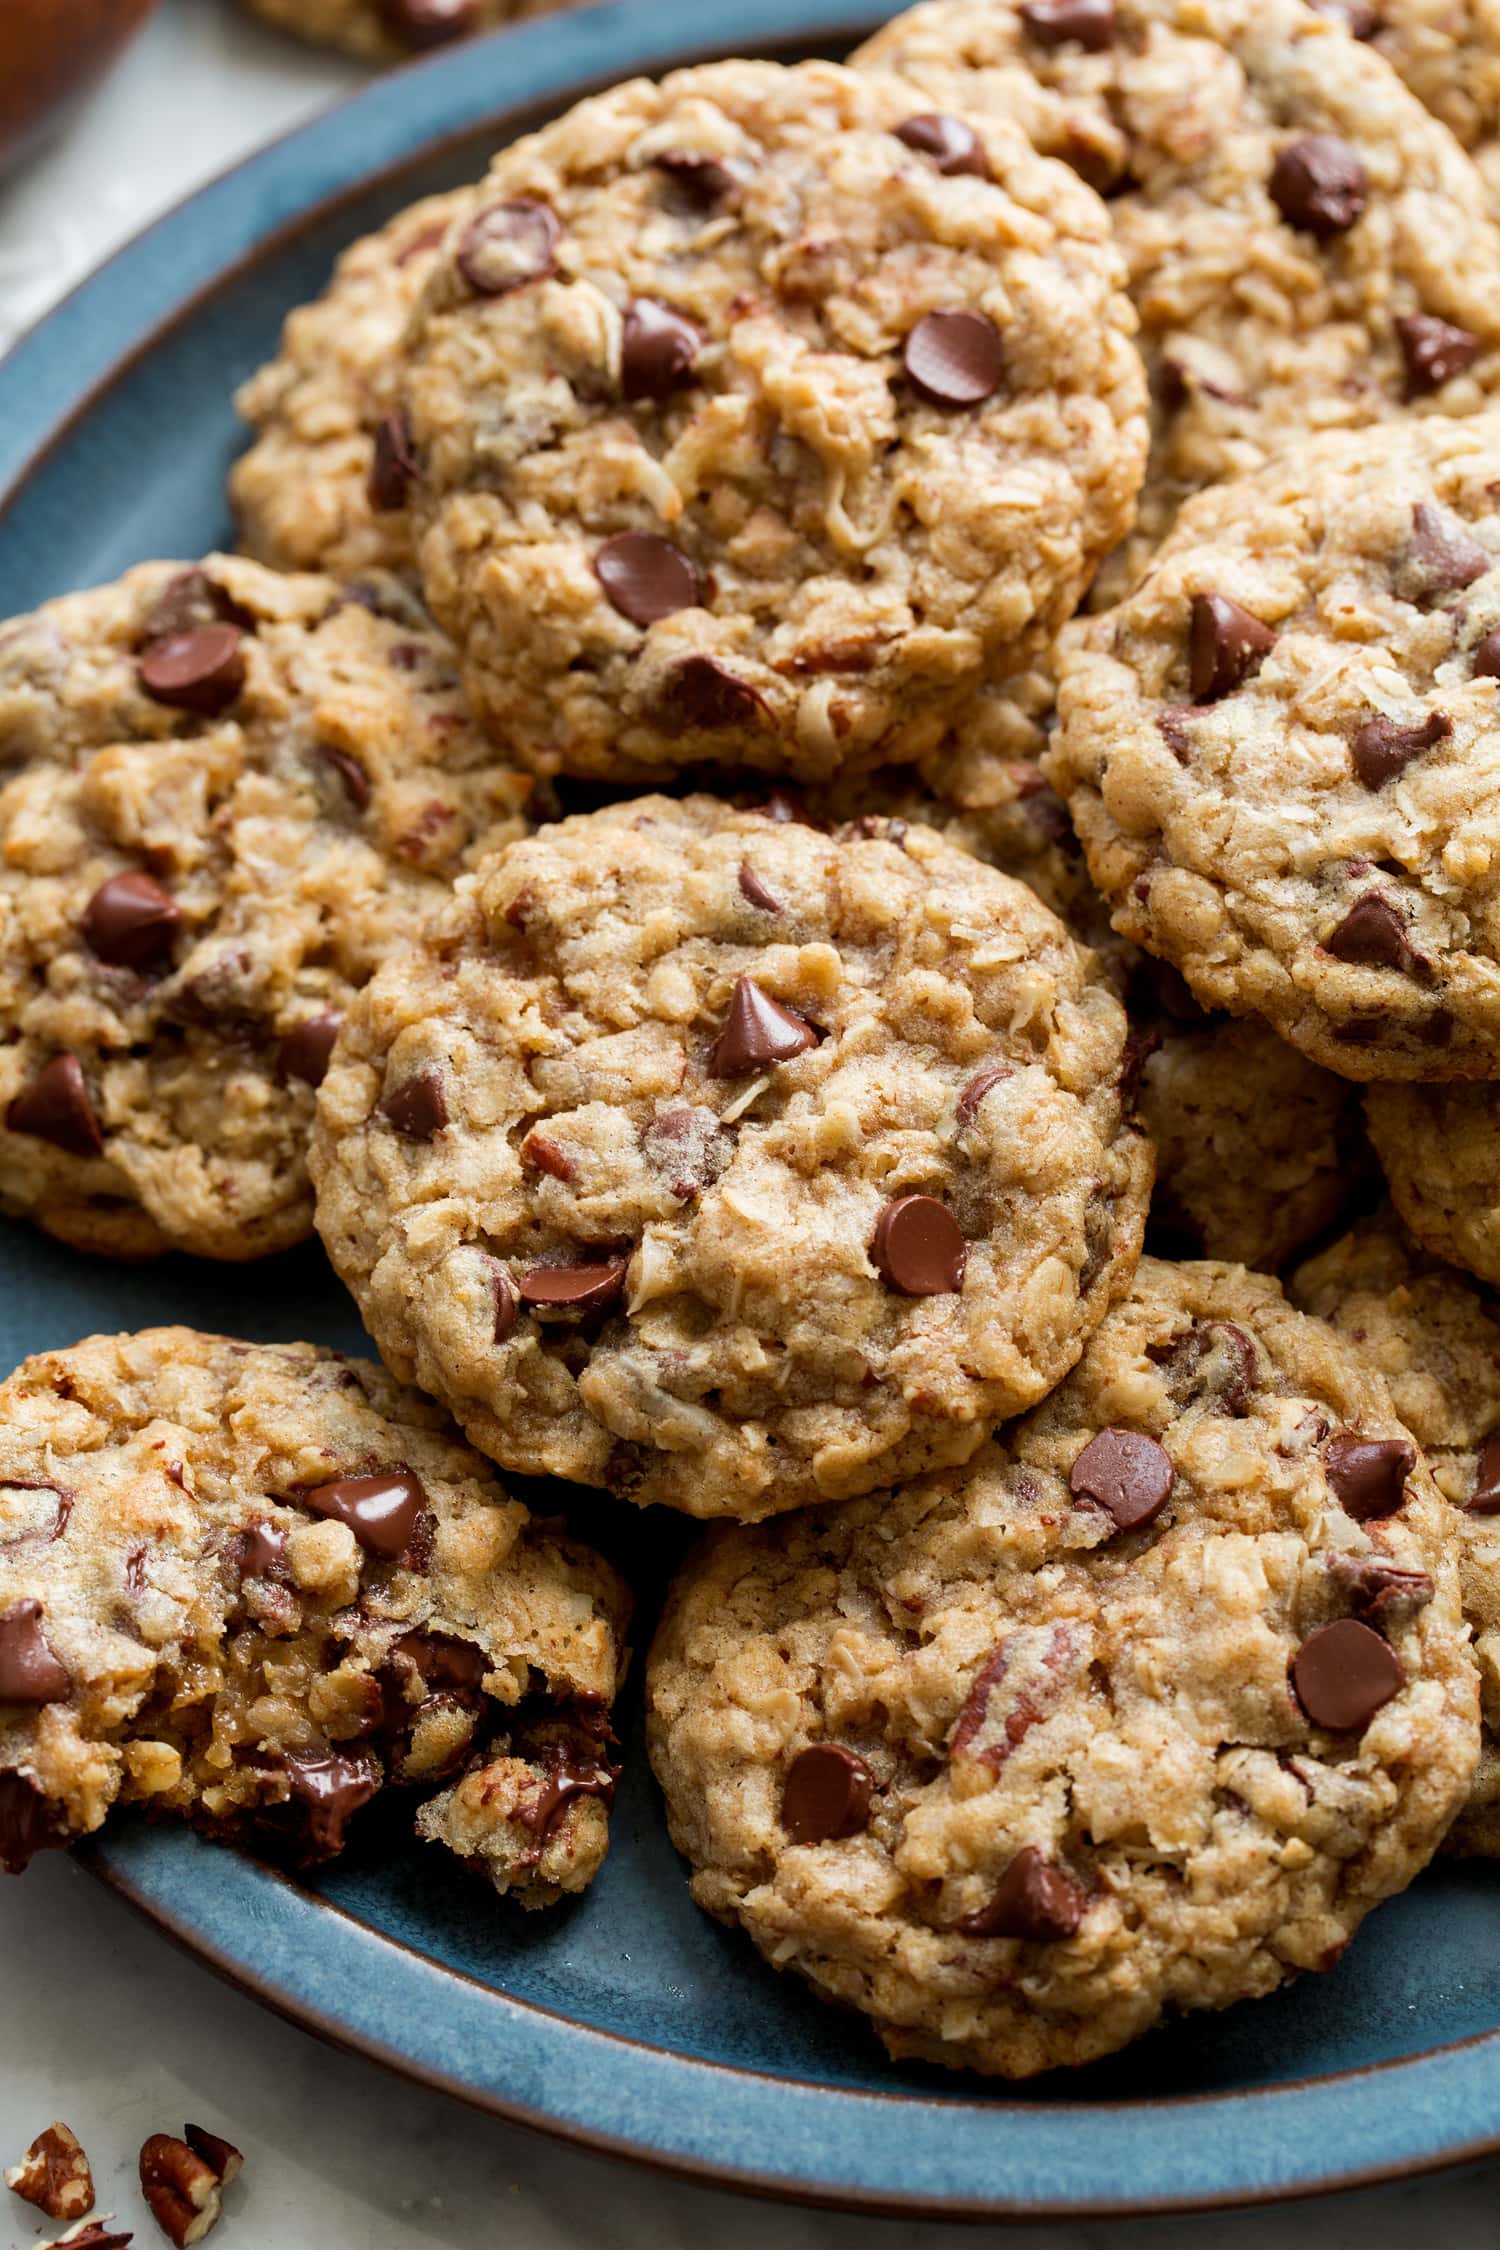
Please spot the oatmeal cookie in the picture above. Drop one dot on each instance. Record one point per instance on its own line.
(324, 485)
(1448, 52)
(1139, 1711)
(227, 796)
(748, 431)
(1435, 1338)
(1439, 1148)
(1282, 755)
(1257, 1149)
(390, 30)
(251, 1584)
(729, 1163)
(1308, 249)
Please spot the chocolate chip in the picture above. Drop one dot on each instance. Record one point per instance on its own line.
(919, 1248)
(305, 1049)
(325, 1792)
(1343, 1673)
(201, 671)
(757, 1031)
(967, 1106)
(570, 1771)
(188, 600)
(1215, 1359)
(428, 23)
(589, 1288)
(826, 1794)
(351, 773)
(954, 358)
(1487, 657)
(507, 1303)
(646, 578)
(260, 1550)
(1439, 558)
(953, 146)
(752, 888)
(393, 469)
(28, 1823)
(1125, 1473)
(1368, 1475)
(1377, 1587)
(703, 693)
(1052, 23)
(55, 1107)
(1225, 644)
(29, 1672)
(43, 1534)
(1383, 749)
(702, 181)
(130, 922)
(444, 1664)
(418, 1107)
(1434, 351)
(1372, 935)
(1034, 1901)
(507, 245)
(1484, 1500)
(1319, 185)
(381, 1511)
(658, 350)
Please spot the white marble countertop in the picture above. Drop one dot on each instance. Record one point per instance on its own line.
(101, 2021)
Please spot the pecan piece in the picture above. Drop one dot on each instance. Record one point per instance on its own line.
(183, 2181)
(54, 2174)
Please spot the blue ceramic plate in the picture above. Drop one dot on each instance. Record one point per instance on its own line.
(628, 2021)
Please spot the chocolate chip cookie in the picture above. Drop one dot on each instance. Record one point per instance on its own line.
(250, 1585)
(729, 1163)
(1436, 1340)
(1439, 1148)
(1282, 757)
(747, 430)
(1448, 52)
(228, 795)
(1140, 1711)
(324, 485)
(389, 30)
(1257, 1149)
(1308, 248)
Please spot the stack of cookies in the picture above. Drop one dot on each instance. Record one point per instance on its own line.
(808, 705)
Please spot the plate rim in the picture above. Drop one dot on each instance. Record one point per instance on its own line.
(107, 325)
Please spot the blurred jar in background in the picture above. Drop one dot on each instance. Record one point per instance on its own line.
(52, 52)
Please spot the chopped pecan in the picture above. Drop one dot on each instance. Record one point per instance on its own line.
(54, 2174)
(183, 2182)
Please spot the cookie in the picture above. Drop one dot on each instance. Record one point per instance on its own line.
(746, 431)
(1439, 1148)
(983, 789)
(729, 1163)
(1257, 1149)
(323, 487)
(228, 796)
(1449, 55)
(390, 30)
(1140, 1711)
(1281, 751)
(1308, 249)
(250, 1585)
(1435, 1339)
